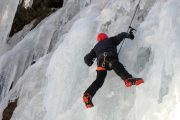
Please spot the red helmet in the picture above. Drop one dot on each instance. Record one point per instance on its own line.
(101, 37)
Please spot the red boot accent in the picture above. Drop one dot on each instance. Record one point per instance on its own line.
(87, 99)
(127, 83)
(138, 82)
(89, 106)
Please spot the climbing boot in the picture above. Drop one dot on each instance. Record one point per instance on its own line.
(133, 81)
(87, 99)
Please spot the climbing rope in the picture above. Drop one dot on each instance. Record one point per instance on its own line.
(130, 25)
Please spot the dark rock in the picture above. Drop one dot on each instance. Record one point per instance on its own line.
(39, 10)
(7, 113)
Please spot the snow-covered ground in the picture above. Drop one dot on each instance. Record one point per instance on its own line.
(52, 88)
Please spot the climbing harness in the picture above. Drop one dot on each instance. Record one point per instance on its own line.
(130, 28)
(104, 59)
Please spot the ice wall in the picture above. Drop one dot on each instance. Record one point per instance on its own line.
(158, 98)
(28, 3)
(52, 88)
(7, 13)
(30, 47)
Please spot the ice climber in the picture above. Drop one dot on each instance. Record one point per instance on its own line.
(107, 59)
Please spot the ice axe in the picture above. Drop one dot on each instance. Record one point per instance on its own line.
(131, 29)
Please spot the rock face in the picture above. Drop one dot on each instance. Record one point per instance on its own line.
(39, 10)
(7, 114)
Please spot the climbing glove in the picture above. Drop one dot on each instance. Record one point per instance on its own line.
(131, 36)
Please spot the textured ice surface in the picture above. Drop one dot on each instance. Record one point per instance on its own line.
(7, 13)
(52, 88)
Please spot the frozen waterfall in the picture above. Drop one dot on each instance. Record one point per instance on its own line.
(52, 88)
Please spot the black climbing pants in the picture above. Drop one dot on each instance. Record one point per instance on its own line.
(120, 70)
(101, 75)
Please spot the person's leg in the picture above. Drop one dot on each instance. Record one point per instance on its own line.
(93, 88)
(120, 70)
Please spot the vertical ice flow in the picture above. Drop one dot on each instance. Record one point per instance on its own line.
(7, 13)
(54, 86)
